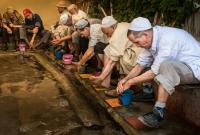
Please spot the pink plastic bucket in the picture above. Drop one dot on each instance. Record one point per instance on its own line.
(67, 59)
(67, 56)
(22, 47)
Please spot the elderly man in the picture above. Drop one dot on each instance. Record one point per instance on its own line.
(62, 9)
(96, 38)
(65, 33)
(76, 15)
(59, 29)
(120, 50)
(174, 58)
(14, 20)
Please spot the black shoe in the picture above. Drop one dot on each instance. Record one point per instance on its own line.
(143, 97)
(153, 119)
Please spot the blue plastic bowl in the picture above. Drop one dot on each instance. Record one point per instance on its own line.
(127, 97)
(59, 55)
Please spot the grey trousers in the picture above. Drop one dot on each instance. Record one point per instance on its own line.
(173, 73)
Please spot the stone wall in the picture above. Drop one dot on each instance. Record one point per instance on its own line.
(185, 103)
(192, 24)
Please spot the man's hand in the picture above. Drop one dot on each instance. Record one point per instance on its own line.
(122, 85)
(56, 41)
(31, 44)
(127, 85)
(77, 64)
(11, 25)
(29, 30)
(15, 26)
(35, 30)
(9, 31)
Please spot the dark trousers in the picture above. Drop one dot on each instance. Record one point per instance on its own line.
(83, 45)
(4, 38)
(4, 35)
(43, 36)
(99, 48)
(16, 35)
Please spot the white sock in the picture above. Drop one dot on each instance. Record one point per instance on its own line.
(160, 104)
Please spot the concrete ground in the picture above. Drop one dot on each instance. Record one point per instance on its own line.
(36, 99)
(175, 123)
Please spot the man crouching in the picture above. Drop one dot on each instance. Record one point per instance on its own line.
(173, 57)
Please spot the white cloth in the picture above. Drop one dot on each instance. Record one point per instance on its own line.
(96, 35)
(172, 44)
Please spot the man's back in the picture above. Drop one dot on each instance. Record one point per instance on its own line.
(176, 44)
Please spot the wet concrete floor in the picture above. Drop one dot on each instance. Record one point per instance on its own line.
(33, 103)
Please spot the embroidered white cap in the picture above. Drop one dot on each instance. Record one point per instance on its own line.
(63, 19)
(81, 24)
(108, 21)
(140, 24)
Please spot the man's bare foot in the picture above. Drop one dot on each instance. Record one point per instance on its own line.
(106, 85)
(96, 80)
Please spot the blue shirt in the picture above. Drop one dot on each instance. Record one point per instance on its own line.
(36, 21)
(171, 44)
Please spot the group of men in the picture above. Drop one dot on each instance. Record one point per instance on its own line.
(15, 28)
(142, 53)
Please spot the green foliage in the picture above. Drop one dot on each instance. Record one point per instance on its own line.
(173, 12)
(94, 10)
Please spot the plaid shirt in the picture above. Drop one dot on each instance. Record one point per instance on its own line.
(16, 19)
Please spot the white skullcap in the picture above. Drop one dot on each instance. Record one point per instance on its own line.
(63, 19)
(108, 21)
(81, 24)
(140, 24)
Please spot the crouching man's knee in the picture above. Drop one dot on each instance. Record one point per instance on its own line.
(168, 76)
